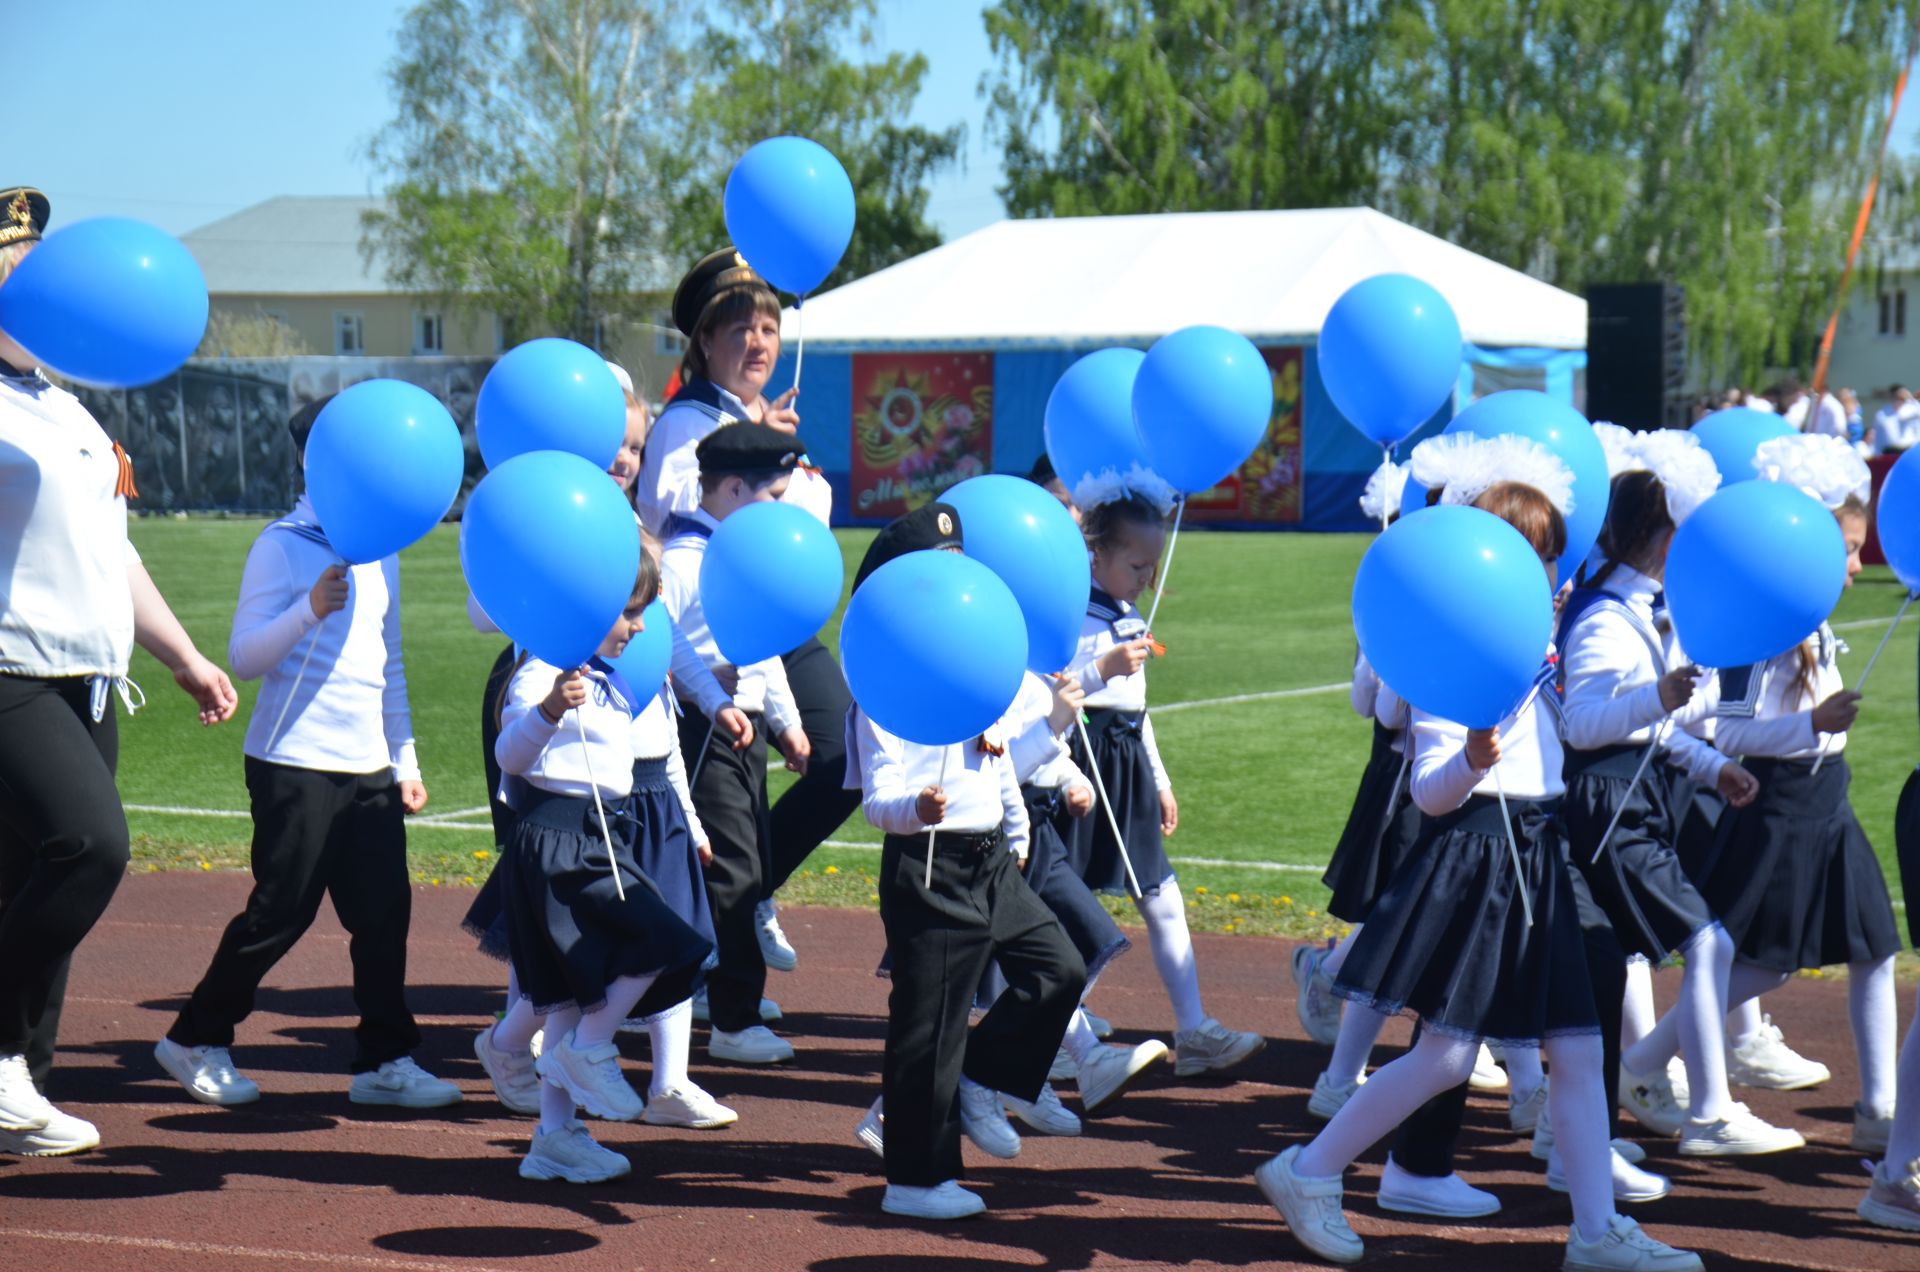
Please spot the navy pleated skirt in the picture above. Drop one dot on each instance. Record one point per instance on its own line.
(1120, 754)
(663, 846)
(1381, 831)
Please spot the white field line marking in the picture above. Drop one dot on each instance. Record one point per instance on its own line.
(230, 814)
(227, 1251)
(1289, 867)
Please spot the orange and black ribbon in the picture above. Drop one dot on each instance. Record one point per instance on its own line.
(123, 485)
(989, 747)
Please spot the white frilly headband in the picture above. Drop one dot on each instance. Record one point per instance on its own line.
(1386, 487)
(1463, 466)
(1685, 470)
(1826, 467)
(1109, 485)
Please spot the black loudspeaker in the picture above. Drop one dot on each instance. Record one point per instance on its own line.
(1637, 354)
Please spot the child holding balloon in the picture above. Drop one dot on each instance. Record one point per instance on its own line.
(1125, 532)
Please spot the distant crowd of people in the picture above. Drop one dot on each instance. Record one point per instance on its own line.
(1892, 429)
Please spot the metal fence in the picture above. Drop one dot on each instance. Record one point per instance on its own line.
(213, 436)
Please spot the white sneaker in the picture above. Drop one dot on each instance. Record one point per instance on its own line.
(872, 1131)
(1330, 1097)
(1524, 1113)
(1649, 1097)
(1893, 1199)
(1111, 1070)
(1542, 1149)
(1046, 1114)
(573, 1155)
(1625, 1248)
(758, 1045)
(1871, 1131)
(688, 1106)
(1630, 1183)
(770, 1012)
(1738, 1134)
(1450, 1197)
(1064, 1069)
(1766, 1062)
(1487, 1075)
(1102, 1028)
(774, 946)
(402, 1084)
(22, 1107)
(592, 1077)
(515, 1084)
(63, 1135)
(1311, 1208)
(985, 1123)
(1313, 995)
(944, 1201)
(1212, 1047)
(206, 1072)
(1678, 1084)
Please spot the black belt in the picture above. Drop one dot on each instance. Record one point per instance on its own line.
(970, 843)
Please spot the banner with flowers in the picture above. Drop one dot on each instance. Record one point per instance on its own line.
(1267, 489)
(921, 422)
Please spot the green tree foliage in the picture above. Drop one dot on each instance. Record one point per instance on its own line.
(1720, 144)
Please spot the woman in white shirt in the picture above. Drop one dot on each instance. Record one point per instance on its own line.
(74, 599)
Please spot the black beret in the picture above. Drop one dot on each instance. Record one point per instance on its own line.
(717, 273)
(747, 448)
(301, 425)
(933, 527)
(23, 215)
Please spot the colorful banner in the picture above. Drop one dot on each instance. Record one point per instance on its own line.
(1267, 489)
(921, 422)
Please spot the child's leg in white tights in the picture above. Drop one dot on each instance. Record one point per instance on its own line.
(598, 1026)
(1165, 913)
(1579, 1104)
(1359, 1030)
(1870, 1003)
(1435, 1064)
(556, 1102)
(1903, 1145)
(671, 1034)
(1743, 1021)
(1696, 1024)
(1637, 1015)
(1338, 957)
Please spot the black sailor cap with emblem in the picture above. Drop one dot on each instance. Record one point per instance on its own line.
(746, 448)
(23, 215)
(716, 274)
(933, 527)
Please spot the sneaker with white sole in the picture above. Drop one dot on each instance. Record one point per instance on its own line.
(1524, 1113)
(689, 1106)
(872, 1131)
(1649, 1097)
(1329, 1097)
(985, 1122)
(206, 1072)
(1449, 1197)
(1065, 1068)
(402, 1084)
(1625, 1248)
(22, 1107)
(592, 1076)
(570, 1153)
(1045, 1114)
(758, 1045)
(774, 946)
(1765, 1062)
(1542, 1147)
(1893, 1199)
(1102, 1028)
(1738, 1134)
(1871, 1130)
(62, 1136)
(1311, 1208)
(1211, 1047)
(1313, 995)
(1110, 1070)
(770, 1013)
(1630, 1183)
(515, 1084)
(947, 1200)
(1487, 1074)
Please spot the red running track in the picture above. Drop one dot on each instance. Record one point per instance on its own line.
(303, 1178)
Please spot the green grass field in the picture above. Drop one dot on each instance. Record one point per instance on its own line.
(1264, 783)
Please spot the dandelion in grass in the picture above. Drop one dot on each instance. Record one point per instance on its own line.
(1234, 897)
(1286, 900)
(481, 855)
(832, 870)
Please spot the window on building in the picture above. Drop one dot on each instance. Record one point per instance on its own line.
(349, 335)
(1893, 313)
(429, 334)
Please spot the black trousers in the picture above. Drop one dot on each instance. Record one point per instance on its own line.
(315, 835)
(63, 850)
(819, 803)
(978, 911)
(730, 794)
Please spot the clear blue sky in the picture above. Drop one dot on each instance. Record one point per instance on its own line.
(182, 111)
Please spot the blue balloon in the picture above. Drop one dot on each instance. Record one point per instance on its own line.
(789, 208)
(1389, 355)
(550, 395)
(384, 464)
(1896, 515)
(1453, 610)
(1733, 435)
(1089, 420)
(934, 647)
(645, 660)
(1566, 433)
(1753, 572)
(551, 552)
(769, 581)
(1201, 402)
(1024, 535)
(108, 301)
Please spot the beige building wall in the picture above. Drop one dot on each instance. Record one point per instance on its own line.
(1868, 358)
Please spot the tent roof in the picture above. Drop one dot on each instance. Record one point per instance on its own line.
(1074, 281)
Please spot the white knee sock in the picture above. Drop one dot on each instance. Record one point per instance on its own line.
(598, 1026)
(671, 1034)
(556, 1102)
(1434, 1065)
(514, 1031)
(1359, 1030)
(1338, 958)
(1870, 1003)
(1903, 1145)
(1165, 913)
(1579, 1106)
(1637, 1014)
(1743, 1021)
(1523, 1071)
